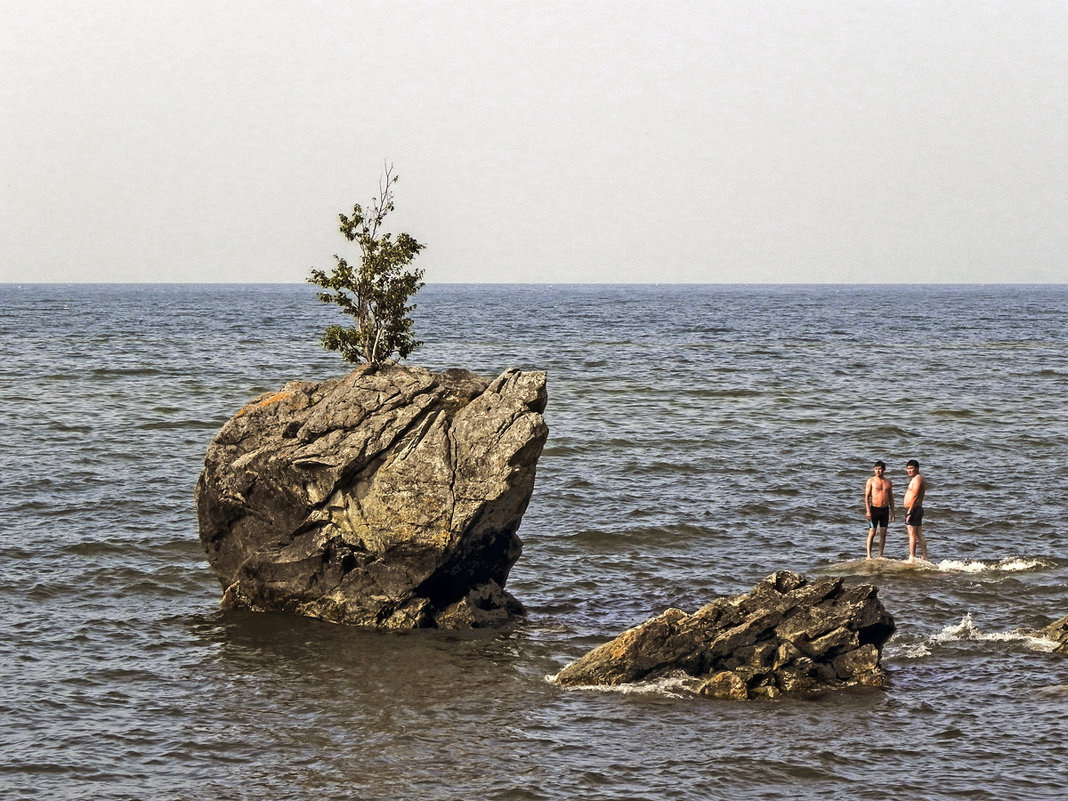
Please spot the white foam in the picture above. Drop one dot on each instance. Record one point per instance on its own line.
(1012, 564)
(915, 651)
(951, 566)
(966, 630)
(1015, 564)
(677, 684)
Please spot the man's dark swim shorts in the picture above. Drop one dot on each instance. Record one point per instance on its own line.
(880, 517)
(914, 516)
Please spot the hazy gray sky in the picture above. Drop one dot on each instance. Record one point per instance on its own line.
(819, 140)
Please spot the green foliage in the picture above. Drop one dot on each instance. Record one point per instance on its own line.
(376, 291)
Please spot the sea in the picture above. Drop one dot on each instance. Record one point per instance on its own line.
(701, 438)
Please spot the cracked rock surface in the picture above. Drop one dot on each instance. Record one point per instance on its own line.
(786, 636)
(388, 498)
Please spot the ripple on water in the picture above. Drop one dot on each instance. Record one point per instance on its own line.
(700, 438)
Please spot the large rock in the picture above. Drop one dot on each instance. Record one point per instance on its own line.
(389, 498)
(785, 636)
(1058, 632)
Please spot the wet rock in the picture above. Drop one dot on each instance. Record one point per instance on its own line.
(388, 498)
(785, 636)
(1058, 632)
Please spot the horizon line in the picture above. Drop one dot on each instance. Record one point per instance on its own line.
(558, 283)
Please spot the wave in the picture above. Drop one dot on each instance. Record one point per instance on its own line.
(677, 684)
(125, 372)
(954, 413)
(1011, 564)
(967, 631)
(648, 536)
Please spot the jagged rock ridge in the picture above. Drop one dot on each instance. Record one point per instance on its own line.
(785, 636)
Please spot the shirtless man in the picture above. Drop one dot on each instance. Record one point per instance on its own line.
(913, 504)
(879, 506)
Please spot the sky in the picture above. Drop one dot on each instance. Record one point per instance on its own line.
(733, 141)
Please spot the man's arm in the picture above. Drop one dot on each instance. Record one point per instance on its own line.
(867, 499)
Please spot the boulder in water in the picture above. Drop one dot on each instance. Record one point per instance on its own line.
(785, 636)
(389, 498)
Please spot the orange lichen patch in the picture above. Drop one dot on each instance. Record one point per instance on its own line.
(265, 402)
(274, 398)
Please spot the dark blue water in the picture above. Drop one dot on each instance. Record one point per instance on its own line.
(701, 438)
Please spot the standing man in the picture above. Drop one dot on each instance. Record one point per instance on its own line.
(879, 506)
(913, 504)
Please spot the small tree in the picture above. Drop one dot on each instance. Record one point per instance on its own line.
(375, 292)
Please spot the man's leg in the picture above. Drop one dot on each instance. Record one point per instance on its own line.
(922, 542)
(882, 541)
(916, 538)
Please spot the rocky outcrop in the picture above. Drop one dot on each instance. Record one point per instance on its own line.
(389, 498)
(1058, 632)
(785, 636)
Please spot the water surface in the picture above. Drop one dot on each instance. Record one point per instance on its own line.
(700, 439)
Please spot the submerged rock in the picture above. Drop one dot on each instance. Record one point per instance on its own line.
(785, 636)
(389, 498)
(1058, 632)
